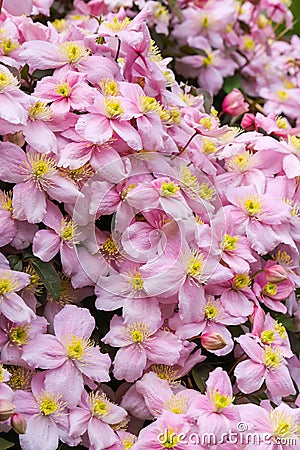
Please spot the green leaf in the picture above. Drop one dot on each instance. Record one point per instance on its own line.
(234, 82)
(48, 275)
(5, 444)
(200, 374)
(187, 50)
(15, 262)
(39, 74)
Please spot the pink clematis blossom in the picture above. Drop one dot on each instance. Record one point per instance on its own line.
(214, 411)
(140, 342)
(69, 355)
(46, 416)
(96, 415)
(267, 364)
(16, 8)
(35, 174)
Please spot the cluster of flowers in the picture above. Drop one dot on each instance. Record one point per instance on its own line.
(223, 38)
(175, 239)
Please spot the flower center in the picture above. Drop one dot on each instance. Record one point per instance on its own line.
(240, 281)
(270, 289)
(209, 146)
(50, 403)
(20, 378)
(113, 108)
(210, 312)
(109, 87)
(40, 111)
(253, 205)
(169, 189)
(19, 335)
(280, 330)
(240, 163)
(220, 401)
(77, 348)
(272, 358)
(177, 404)
(136, 281)
(267, 337)
(128, 442)
(6, 201)
(208, 60)
(8, 46)
(294, 142)
(64, 89)
(100, 405)
(283, 424)
(169, 439)
(282, 95)
(206, 122)
(138, 332)
(117, 25)
(68, 229)
(230, 243)
(109, 249)
(8, 82)
(73, 52)
(149, 104)
(195, 265)
(7, 285)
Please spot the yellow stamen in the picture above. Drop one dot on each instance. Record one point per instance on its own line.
(169, 189)
(138, 332)
(220, 401)
(230, 243)
(19, 335)
(177, 404)
(40, 111)
(73, 52)
(100, 405)
(206, 122)
(109, 88)
(240, 281)
(252, 205)
(8, 46)
(8, 82)
(270, 289)
(64, 89)
(267, 337)
(51, 404)
(272, 358)
(113, 108)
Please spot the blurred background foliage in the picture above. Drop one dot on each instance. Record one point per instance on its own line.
(296, 11)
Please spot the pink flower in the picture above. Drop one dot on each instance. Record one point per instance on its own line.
(96, 415)
(65, 92)
(35, 174)
(62, 237)
(234, 103)
(267, 364)
(272, 293)
(69, 355)
(140, 343)
(12, 306)
(214, 411)
(46, 416)
(14, 336)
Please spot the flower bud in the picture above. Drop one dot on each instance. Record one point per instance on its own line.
(213, 341)
(248, 122)
(234, 104)
(18, 423)
(7, 409)
(276, 274)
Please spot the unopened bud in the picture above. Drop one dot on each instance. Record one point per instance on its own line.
(213, 341)
(248, 122)
(18, 423)
(234, 104)
(276, 274)
(7, 409)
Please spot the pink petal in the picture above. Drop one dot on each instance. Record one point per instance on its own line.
(46, 244)
(79, 419)
(163, 348)
(250, 376)
(129, 363)
(34, 210)
(11, 158)
(14, 308)
(45, 352)
(96, 367)
(74, 320)
(101, 435)
(41, 433)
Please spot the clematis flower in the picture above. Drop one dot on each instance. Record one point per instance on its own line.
(140, 343)
(265, 364)
(69, 355)
(96, 415)
(35, 174)
(46, 416)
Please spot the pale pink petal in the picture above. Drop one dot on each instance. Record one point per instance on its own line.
(45, 352)
(74, 320)
(41, 433)
(79, 419)
(46, 244)
(101, 435)
(163, 348)
(129, 134)
(11, 158)
(61, 379)
(40, 137)
(279, 382)
(34, 210)
(96, 366)
(129, 363)
(94, 128)
(249, 376)
(14, 308)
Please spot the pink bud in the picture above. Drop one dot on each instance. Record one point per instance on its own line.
(234, 103)
(276, 274)
(248, 122)
(213, 341)
(7, 409)
(18, 423)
